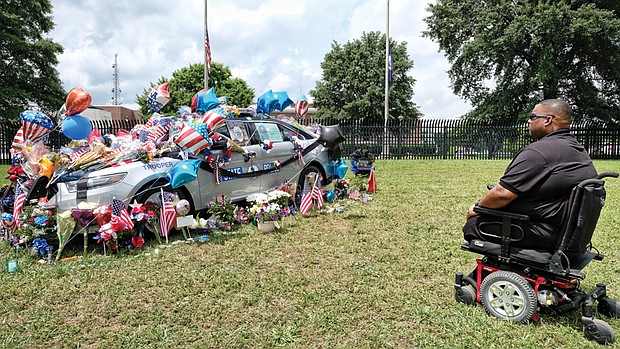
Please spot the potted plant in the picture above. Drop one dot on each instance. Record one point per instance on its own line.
(269, 209)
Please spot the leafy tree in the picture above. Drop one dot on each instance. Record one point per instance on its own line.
(353, 83)
(187, 81)
(28, 61)
(508, 55)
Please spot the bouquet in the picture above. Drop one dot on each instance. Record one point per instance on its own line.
(271, 206)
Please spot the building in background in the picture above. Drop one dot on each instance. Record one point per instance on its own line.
(111, 112)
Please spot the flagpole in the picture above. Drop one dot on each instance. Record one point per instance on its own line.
(206, 72)
(386, 149)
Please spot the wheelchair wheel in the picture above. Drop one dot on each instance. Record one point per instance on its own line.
(598, 331)
(466, 295)
(609, 307)
(508, 296)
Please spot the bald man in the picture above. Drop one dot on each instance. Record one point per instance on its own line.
(537, 182)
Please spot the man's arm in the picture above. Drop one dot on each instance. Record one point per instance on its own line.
(497, 197)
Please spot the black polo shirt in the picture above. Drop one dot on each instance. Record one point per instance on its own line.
(543, 175)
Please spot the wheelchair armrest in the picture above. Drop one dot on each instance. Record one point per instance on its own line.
(498, 213)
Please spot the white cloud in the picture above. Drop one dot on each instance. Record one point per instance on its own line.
(271, 44)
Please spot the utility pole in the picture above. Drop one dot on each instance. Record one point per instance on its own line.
(386, 146)
(116, 90)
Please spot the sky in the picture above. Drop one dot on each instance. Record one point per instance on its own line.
(272, 44)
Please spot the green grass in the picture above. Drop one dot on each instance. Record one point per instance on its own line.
(376, 276)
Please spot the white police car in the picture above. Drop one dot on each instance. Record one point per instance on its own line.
(270, 159)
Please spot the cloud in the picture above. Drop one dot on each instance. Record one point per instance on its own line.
(271, 44)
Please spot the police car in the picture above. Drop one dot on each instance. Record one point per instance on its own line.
(274, 153)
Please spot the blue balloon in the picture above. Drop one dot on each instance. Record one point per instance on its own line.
(266, 103)
(283, 100)
(76, 127)
(207, 101)
(183, 172)
(341, 169)
(331, 195)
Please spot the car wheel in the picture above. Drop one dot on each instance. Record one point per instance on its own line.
(311, 171)
(508, 296)
(152, 193)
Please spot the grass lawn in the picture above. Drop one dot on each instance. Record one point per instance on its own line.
(378, 275)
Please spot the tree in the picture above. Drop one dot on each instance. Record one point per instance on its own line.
(353, 83)
(508, 55)
(28, 61)
(187, 81)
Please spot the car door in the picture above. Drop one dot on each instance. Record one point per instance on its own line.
(235, 188)
(275, 149)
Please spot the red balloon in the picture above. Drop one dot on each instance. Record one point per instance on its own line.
(77, 101)
(195, 100)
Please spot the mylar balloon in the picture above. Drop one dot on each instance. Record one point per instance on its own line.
(341, 168)
(207, 101)
(35, 125)
(183, 172)
(195, 100)
(182, 207)
(76, 127)
(331, 195)
(283, 100)
(301, 108)
(158, 97)
(266, 103)
(77, 101)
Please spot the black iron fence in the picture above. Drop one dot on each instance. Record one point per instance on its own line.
(420, 139)
(462, 139)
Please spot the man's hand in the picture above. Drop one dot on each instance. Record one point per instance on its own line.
(470, 212)
(497, 197)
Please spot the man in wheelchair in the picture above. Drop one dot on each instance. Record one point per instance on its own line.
(534, 230)
(538, 181)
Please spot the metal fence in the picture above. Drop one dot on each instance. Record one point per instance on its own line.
(420, 139)
(463, 139)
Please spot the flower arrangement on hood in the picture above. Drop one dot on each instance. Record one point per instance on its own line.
(270, 206)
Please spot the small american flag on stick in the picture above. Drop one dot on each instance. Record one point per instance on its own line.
(120, 216)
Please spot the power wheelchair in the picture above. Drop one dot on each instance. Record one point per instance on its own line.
(516, 284)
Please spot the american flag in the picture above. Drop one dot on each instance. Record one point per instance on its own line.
(207, 50)
(213, 119)
(120, 215)
(20, 197)
(18, 141)
(309, 195)
(301, 108)
(167, 214)
(190, 140)
(79, 152)
(156, 132)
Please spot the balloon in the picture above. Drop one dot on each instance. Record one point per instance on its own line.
(283, 100)
(77, 101)
(158, 97)
(301, 108)
(182, 207)
(206, 101)
(76, 127)
(195, 100)
(183, 172)
(35, 125)
(341, 168)
(331, 195)
(266, 103)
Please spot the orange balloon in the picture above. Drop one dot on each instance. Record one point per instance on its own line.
(77, 101)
